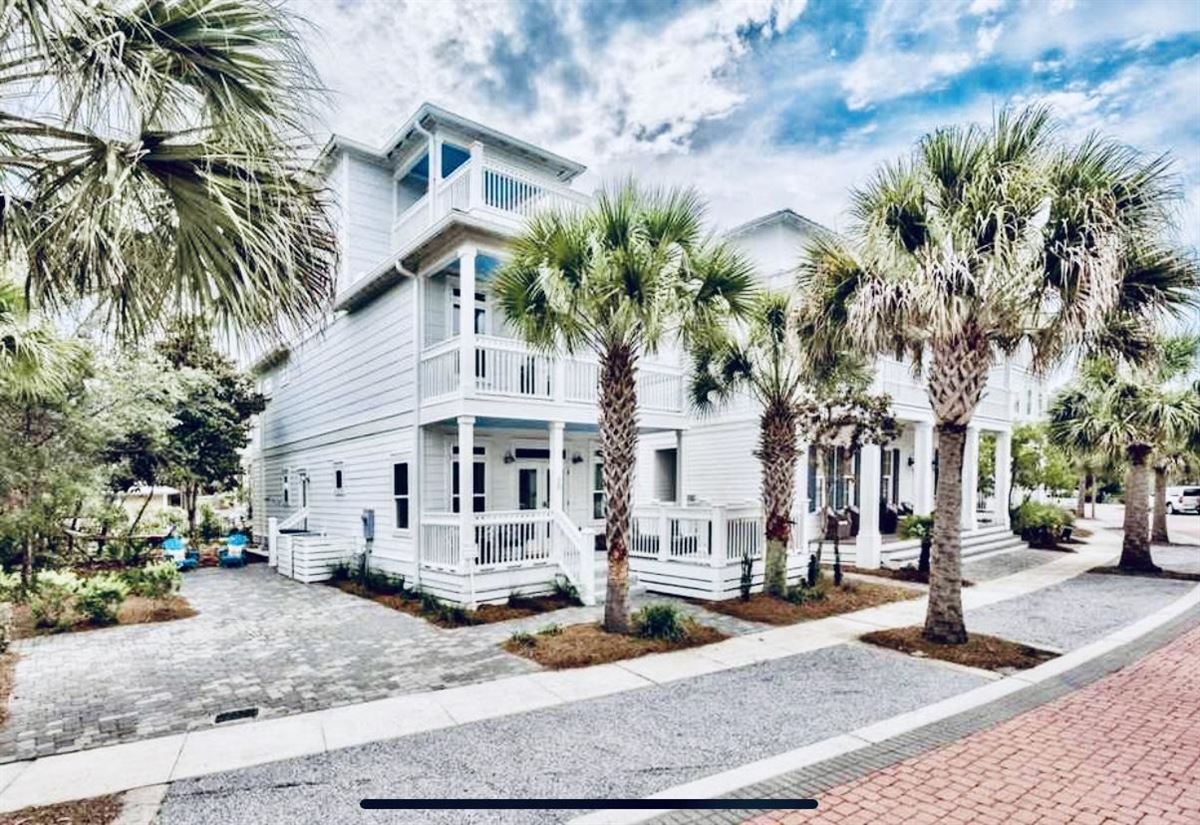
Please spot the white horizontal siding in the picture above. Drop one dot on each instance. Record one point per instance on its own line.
(367, 210)
(358, 369)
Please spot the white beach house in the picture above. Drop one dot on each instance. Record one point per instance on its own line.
(414, 369)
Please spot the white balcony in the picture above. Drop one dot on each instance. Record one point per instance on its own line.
(485, 187)
(508, 370)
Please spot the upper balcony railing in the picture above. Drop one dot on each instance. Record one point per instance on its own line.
(488, 186)
(508, 368)
(896, 379)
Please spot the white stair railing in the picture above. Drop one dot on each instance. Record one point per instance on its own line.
(575, 553)
(275, 527)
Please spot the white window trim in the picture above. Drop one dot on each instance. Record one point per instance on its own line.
(339, 467)
(401, 532)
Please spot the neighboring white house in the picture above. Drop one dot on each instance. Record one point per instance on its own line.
(415, 369)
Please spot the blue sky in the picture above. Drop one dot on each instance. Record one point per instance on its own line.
(764, 104)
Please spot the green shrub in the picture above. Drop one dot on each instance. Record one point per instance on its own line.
(10, 586)
(429, 602)
(1040, 524)
(100, 597)
(522, 639)
(915, 527)
(154, 581)
(746, 581)
(210, 525)
(51, 599)
(563, 589)
(660, 621)
(552, 629)
(800, 593)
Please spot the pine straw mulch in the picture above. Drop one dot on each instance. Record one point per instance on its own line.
(908, 573)
(101, 810)
(980, 651)
(448, 616)
(834, 600)
(582, 645)
(135, 610)
(1176, 575)
(8, 663)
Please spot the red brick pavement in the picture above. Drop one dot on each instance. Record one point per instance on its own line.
(1125, 749)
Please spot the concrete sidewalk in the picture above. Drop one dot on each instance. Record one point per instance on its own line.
(121, 767)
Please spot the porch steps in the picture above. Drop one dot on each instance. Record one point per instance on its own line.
(984, 541)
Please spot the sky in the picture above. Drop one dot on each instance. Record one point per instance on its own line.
(763, 104)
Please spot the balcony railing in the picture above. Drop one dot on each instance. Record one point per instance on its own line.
(508, 368)
(699, 535)
(486, 185)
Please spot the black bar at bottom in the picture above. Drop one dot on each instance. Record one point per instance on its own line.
(587, 804)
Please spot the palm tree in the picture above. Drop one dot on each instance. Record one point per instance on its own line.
(764, 361)
(152, 160)
(618, 279)
(1133, 411)
(35, 363)
(984, 244)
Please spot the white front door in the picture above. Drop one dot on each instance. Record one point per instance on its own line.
(533, 485)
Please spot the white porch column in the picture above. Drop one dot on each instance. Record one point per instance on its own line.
(557, 429)
(475, 182)
(466, 490)
(970, 478)
(680, 483)
(868, 546)
(922, 468)
(1003, 475)
(466, 319)
(435, 176)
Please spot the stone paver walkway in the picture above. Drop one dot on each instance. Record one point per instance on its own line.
(1125, 749)
(260, 641)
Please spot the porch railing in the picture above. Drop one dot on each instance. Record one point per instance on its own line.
(440, 540)
(707, 535)
(575, 551)
(507, 367)
(512, 536)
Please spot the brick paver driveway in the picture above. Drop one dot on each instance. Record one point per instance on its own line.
(1125, 749)
(260, 640)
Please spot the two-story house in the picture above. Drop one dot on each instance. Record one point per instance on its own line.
(415, 370)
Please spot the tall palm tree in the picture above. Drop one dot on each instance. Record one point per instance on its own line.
(617, 280)
(984, 244)
(153, 160)
(1133, 411)
(762, 359)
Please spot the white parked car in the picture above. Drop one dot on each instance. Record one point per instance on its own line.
(1183, 499)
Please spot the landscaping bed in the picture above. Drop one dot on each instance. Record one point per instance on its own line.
(134, 610)
(1176, 575)
(101, 810)
(980, 651)
(582, 645)
(392, 592)
(819, 602)
(908, 573)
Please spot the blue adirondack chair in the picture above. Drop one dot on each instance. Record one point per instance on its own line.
(233, 554)
(175, 549)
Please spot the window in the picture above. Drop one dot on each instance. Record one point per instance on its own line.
(339, 479)
(287, 488)
(400, 494)
(478, 481)
(813, 493)
(599, 504)
(480, 312)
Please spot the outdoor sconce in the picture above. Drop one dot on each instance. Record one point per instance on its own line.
(509, 458)
(576, 458)
(911, 461)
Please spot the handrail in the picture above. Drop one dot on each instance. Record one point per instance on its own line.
(440, 347)
(577, 559)
(294, 519)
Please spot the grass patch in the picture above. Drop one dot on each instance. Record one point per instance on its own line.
(428, 607)
(980, 651)
(582, 645)
(8, 663)
(1176, 575)
(101, 810)
(827, 600)
(134, 610)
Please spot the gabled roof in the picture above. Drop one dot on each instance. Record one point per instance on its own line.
(781, 216)
(429, 115)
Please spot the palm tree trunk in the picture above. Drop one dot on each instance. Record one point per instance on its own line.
(944, 618)
(1081, 501)
(618, 445)
(1135, 548)
(1158, 532)
(777, 454)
